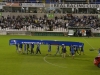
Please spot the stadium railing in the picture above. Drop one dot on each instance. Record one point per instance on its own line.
(34, 31)
(43, 32)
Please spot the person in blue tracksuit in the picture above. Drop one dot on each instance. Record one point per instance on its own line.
(58, 50)
(76, 50)
(81, 50)
(64, 51)
(20, 47)
(49, 49)
(25, 47)
(17, 47)
(72, 51)
(28, 48)
(32, 47)
(38, 49)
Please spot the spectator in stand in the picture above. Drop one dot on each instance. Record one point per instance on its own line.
(19, 22)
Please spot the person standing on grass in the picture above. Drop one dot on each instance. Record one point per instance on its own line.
(32, 47)
(81, 50)
(28, 48)
(76, 50)
(72, 51)
(49, 49)
(58, 49)
(20, 48)
(25, 47)
(17, 47)
(62, 48)
(63, 51)
(69, 50)
(38, 49)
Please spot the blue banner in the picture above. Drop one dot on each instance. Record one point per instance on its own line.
(44, 42)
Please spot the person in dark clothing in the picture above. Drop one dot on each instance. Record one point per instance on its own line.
(63, 51)
(88, 33)
(72, 51)
(49, 49)
(20, 48)
(28, 48)
(32, 47)
(38, 49)
(81, 50)
(17, 47)
(58, 49)
(25, 47)
(76, 48)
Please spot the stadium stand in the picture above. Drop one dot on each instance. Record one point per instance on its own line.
(32, 22)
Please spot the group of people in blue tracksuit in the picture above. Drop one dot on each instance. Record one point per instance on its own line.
(27, 47)
(73, 50)
(60, 49)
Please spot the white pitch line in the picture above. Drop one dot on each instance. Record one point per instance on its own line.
(88, 43)
(52, 63)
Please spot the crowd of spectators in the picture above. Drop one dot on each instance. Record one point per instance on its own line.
(85, 21)
(65, 21)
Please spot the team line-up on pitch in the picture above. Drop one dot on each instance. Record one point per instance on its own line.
(29, 44)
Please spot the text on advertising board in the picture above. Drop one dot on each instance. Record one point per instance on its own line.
(33, 5)
(75, 5)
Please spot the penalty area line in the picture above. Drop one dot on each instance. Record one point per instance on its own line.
(88, 43)
(52, 63)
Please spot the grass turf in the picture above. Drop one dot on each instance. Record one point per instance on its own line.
(12, 63)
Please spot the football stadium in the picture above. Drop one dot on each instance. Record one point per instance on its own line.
(49, 37)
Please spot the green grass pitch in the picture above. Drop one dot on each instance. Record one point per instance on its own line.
(12, 63)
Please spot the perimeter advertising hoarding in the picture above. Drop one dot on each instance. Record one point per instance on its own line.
(33, 4)
(13, 4)
(75, 5)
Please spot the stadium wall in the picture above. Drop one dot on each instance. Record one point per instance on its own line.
(42, 33)
(49, 33)
(34, 33)
(3, 32)
(5, 14)
(96, 32)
